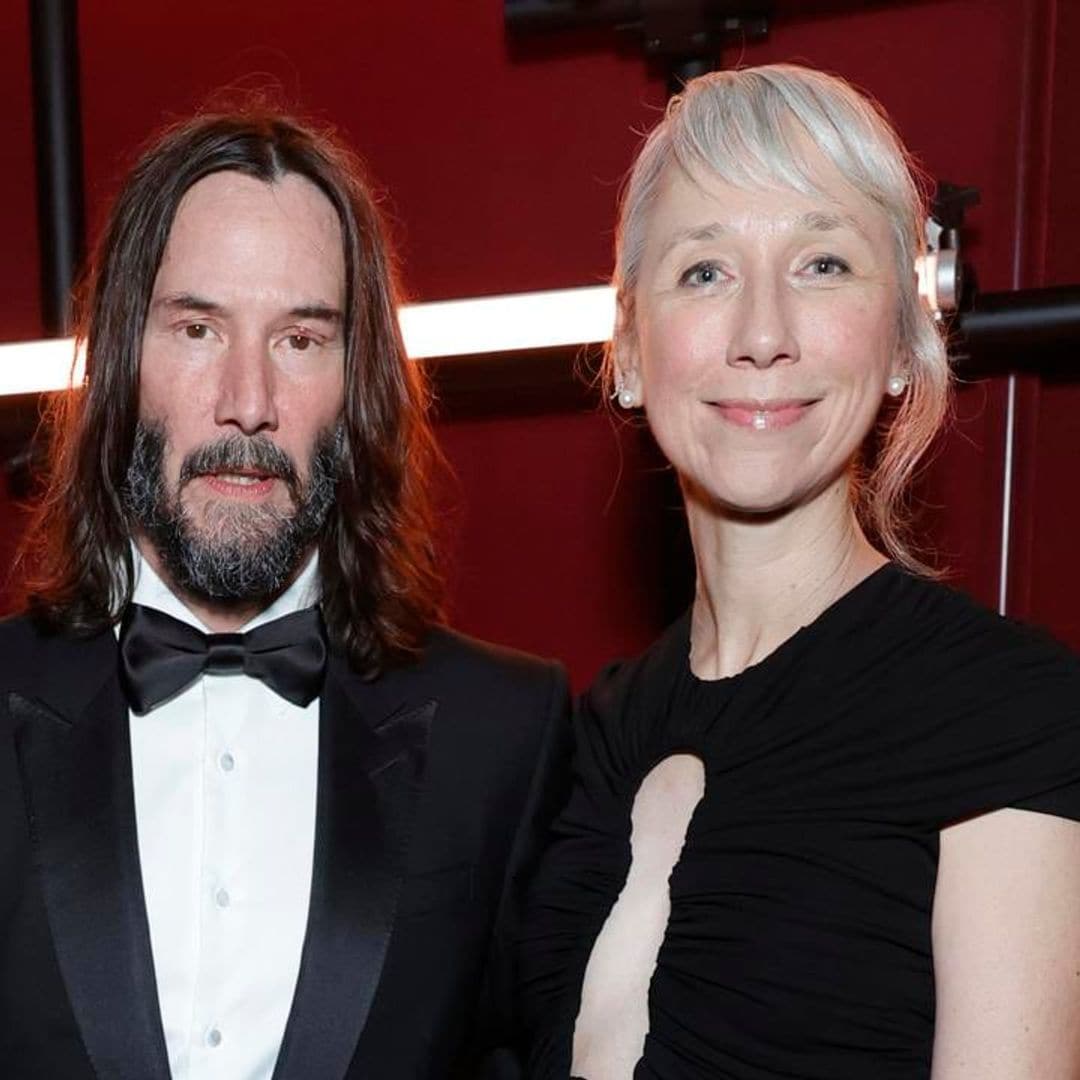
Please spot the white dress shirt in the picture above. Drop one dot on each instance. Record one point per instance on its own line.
(225, 779)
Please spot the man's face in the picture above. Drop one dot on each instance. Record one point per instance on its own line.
(241, 385)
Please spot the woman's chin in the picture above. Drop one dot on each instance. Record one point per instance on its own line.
(765, 493)
(750, 501)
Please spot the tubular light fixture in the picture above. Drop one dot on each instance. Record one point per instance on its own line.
(444, 328)
(35, 367)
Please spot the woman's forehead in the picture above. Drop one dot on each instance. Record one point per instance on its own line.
(829, 201)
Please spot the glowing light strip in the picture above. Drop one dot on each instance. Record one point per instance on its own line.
(439, 329)
(34, 367)
(508, 323)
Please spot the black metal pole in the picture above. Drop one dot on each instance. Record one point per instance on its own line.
(54, 65)
(1024, 319)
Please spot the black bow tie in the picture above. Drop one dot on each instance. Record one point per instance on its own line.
(160, 655)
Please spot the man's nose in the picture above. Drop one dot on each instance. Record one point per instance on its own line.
(763, 333)
(246, 388)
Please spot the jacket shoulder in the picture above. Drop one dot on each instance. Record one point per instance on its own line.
(18, 628)
(24, 651)
(458, 657)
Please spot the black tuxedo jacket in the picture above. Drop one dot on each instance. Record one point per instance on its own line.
(435, 782)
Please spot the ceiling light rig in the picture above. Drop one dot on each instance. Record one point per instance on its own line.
(684, 36)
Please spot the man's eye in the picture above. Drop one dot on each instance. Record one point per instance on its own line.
(196, 331)
(705, 273)
(299, 341)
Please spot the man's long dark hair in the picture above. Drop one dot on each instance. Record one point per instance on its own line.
(380, 590)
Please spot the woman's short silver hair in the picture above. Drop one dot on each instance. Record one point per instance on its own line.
(750, 128)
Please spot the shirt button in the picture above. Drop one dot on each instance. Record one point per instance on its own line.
(227, 762)
(221, 898)
(213, 1037)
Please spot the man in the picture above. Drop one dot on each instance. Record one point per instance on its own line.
(258, 812)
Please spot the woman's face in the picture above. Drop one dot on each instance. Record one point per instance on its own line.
(763, 335)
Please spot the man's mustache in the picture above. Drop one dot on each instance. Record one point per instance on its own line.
(241, 453)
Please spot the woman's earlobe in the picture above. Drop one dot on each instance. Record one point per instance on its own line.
(627, 384)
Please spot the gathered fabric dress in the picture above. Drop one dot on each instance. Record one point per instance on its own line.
(799, 940)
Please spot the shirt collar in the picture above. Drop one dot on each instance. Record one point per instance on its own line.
(151, 591)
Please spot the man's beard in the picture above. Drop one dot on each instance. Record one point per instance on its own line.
(240, 554)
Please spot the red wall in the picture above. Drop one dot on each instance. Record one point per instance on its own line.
(502, 167)
(18, 205)
(1045, 583)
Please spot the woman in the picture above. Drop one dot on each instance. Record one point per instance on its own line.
(826, 827)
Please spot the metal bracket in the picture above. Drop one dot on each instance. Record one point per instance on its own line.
(942, 280)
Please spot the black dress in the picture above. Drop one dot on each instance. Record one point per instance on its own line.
(799, 942)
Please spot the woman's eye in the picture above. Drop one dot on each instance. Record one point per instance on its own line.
(197, 331)
(828, 266)
(299, 341)
(701, 274)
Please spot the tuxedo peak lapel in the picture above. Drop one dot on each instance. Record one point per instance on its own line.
(66, 672)
(76, 776)
(372, 756)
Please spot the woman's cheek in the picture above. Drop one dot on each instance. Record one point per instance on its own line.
(676, 358)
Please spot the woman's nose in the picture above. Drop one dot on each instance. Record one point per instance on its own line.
(763, 333)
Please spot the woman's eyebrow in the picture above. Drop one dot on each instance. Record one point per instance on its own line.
(811, 221)
(693, 234)
(826, 221)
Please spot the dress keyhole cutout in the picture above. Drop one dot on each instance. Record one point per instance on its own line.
(611, 1025)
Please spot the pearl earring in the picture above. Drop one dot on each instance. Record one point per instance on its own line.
(624, 395)
(897, 385)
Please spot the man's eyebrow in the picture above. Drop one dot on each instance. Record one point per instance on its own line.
(323, 312)
(189, 302)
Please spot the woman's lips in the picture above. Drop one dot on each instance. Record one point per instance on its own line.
(769, 415)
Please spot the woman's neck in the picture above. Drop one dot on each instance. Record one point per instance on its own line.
(761, 578)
